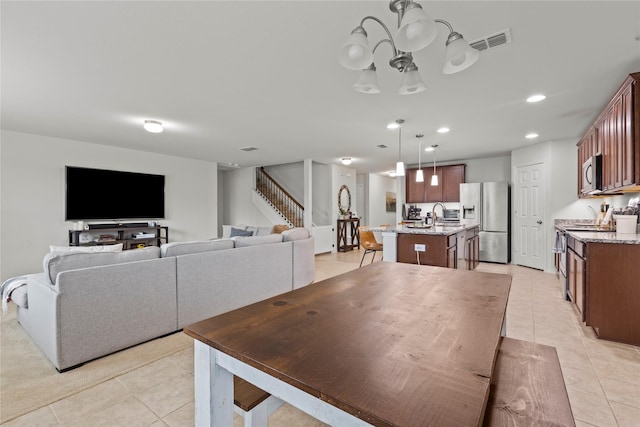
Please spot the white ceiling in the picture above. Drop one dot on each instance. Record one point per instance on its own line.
(223, 75)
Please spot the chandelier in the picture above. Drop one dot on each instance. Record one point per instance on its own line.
(415, 31)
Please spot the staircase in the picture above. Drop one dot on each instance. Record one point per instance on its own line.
(279, 199)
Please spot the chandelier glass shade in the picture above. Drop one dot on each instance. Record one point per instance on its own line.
(415, 32)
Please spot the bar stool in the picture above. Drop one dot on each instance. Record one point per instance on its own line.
(369, 243)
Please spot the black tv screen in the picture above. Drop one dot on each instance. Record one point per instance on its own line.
(110, 194)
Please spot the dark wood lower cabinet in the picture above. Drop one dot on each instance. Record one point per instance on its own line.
(459, 250)
(604, 286)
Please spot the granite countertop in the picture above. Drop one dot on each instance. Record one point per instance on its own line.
(594, 234)
(437, 230)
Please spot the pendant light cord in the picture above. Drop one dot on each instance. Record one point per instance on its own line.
(400, 143)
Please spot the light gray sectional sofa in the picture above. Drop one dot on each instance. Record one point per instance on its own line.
(87, 305)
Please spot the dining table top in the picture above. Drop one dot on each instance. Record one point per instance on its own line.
(392, 344)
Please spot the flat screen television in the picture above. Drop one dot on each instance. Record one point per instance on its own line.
(109, 194)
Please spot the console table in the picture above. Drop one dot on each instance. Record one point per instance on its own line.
(348, 228)
(127, 234)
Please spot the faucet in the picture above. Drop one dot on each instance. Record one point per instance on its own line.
(433, 211)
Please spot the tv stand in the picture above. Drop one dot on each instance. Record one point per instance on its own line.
(131, 235)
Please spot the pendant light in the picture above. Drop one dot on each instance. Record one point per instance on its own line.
(419, 174)
(434, 177)
(399, 163)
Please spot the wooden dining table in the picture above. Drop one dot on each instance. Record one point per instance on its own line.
(388, 344)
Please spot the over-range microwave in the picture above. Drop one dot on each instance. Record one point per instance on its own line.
(592, 175)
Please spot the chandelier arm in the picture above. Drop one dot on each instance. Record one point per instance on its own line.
(443, 22)
(380, 42)
(390, 40)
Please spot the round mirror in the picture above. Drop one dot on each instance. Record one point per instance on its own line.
(344, 200)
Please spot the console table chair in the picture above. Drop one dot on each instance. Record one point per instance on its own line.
(369, 243)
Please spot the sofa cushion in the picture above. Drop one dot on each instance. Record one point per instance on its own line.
(298, 233)
(89, 249)
(242, 242)
(56, 262)
(263, 231)
(226, 230)
(235, 232)
(184, 248)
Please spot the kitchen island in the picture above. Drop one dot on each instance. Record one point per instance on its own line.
(451, 245)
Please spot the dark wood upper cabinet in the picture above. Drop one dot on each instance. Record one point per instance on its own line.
(448, 189)
(616, 135)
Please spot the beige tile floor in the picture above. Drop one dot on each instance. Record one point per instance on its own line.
(602, 378)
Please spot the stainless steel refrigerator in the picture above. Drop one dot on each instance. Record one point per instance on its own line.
(488, 204)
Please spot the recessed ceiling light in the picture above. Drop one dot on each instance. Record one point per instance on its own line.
(536, 98)
(392, 173)
(429, 148)
(531, 135)
(153, 126)
(443, 130)
(346, 161)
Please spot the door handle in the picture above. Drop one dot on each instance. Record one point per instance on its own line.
(539, 221)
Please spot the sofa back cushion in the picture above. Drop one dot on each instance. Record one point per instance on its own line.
(298, 233)
(56, 262)
(184, 248)
(243, 242)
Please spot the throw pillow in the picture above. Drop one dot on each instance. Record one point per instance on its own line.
(237, 232)
(86, 249)
(226, 229)
(279, 228)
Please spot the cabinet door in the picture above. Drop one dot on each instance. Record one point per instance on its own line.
(628, 159)
(571, 274)
(476, 251)
(415, 191)
(433, 193)
(616, 139)
(452, 257)
(452, 177)
(580, 285)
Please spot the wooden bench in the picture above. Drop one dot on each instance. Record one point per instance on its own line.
(253, 403)
(527, 387)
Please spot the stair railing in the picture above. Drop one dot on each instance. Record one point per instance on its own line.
(279, 198)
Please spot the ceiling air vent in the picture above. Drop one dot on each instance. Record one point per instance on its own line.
(250, 148)
(492, 40)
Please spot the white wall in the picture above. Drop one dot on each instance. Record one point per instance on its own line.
(378, 187)
(238, 199)
(32, 190)
(322, 194)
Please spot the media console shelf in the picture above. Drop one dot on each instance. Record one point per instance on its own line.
(132, 236)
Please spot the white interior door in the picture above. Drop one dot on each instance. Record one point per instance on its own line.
(529, 241)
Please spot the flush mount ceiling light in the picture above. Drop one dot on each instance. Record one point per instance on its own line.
(419, 174)
(415, 31)
(153, 126)
(531, 135)
(346, 161)
(399, 163)
(536, 98)
(443, 130)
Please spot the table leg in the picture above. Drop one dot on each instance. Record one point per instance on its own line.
(213, 389)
